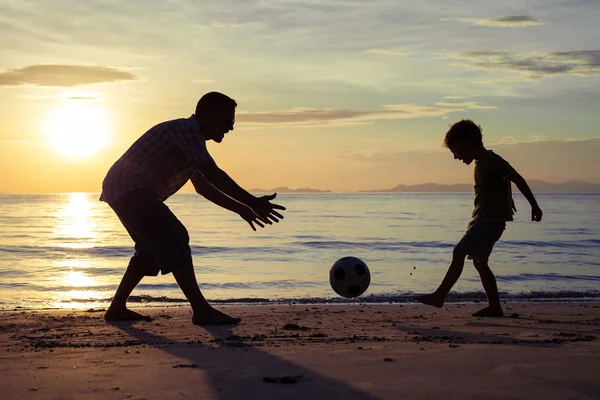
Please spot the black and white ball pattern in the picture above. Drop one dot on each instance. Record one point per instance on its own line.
(349, 277)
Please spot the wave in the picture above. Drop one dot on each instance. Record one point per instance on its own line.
(261, 285)
(375, 245)
(127, 251)
(543, 277)
(561, 246)
(373, 299)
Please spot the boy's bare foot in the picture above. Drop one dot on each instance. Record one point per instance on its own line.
(431, 300)
(211, 316)
(489, 312)
(125, 315)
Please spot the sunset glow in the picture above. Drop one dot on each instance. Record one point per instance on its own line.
(77, 129)
(340, 96)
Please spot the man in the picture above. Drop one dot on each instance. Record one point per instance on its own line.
(155, 167)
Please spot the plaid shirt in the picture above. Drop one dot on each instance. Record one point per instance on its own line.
(162, 159)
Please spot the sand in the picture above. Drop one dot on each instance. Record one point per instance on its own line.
(550, 351)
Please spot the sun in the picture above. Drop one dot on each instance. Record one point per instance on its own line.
(77, 130)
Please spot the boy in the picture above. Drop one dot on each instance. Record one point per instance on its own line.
(155, 167)
(493, 208)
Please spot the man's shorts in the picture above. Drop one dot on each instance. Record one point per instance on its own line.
(161, 240)
(481, 235)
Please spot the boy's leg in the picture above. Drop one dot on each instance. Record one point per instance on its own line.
(460, 252)
(437, 298)
(491, 290)
(491, 232)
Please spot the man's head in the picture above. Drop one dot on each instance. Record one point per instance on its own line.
(215, 113)
(464, 140)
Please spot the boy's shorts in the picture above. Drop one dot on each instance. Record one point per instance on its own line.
(481, 235)
(161, 240)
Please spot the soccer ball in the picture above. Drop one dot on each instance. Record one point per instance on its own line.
(349, 277)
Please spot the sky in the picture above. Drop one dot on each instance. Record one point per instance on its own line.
(340, 95)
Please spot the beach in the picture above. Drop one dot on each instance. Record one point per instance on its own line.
(539, 350)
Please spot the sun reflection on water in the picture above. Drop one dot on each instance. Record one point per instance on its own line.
(76, 226)
(76, 230)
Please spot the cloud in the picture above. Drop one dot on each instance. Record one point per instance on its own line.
(63, 95)
(318, 116)
(461, 97)
(63, 75)
(81, 98)
(388, 52)
(471, 105)
(535, 64)
(513, 21)
(513, 140)
(505, 79)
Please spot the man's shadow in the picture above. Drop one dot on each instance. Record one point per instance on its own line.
(244, 367)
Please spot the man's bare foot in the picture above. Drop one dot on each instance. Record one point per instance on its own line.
(125, 315)
(211, 316)
(431, 300)
(489, 312)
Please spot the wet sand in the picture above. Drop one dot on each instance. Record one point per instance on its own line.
(548, 351)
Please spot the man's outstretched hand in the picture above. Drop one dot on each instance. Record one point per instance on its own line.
(248, 215)
(262, 212)
(266, 210)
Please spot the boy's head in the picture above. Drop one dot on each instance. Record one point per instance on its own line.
(464, 140)
(215, 113)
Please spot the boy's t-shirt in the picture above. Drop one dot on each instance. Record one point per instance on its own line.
(493, 195)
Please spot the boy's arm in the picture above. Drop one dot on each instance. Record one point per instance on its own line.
(519, 181)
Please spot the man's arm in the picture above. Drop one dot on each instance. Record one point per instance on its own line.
(519, 181)
(209, 192)
(193, 146)
(224, 183)
(261, 206)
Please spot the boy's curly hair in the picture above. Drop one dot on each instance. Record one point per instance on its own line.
(462, 131)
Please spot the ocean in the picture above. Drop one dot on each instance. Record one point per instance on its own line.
(70, 250)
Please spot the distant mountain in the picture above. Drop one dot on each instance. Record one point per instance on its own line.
(536, 187)
(283, 189)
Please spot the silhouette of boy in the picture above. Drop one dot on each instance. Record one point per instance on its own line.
(494, 207)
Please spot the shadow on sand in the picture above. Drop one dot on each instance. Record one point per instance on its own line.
(245, 367)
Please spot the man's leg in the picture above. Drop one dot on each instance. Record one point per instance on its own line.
(204, 313)
(491, 290)
(168, 240)
(141, 262)
(118, 310)
(437, 298)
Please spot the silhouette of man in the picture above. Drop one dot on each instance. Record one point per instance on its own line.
(155, 167)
